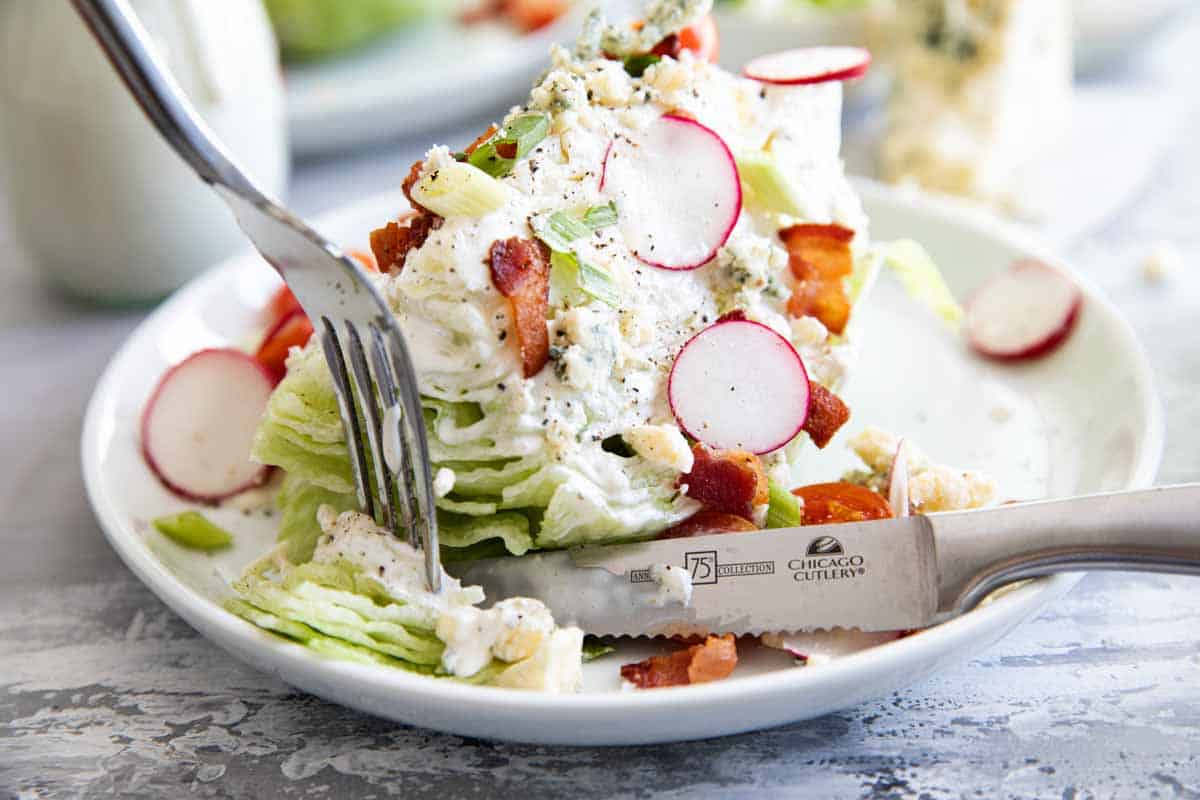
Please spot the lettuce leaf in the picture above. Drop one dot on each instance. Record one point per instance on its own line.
(922, 280)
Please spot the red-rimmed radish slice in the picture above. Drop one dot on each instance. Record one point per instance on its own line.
(294, 330)
(815, 647)
(809, 65)
(898, 482)
(198, 425)
(1025, 312)
(678, 191)
(738, 385)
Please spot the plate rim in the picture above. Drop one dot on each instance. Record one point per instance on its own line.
(280, 657)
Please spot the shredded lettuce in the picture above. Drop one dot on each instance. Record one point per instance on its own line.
(501, 498)
(767, 186)
(338, 611)
(922, 280)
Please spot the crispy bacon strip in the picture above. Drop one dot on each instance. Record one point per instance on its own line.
(367, 260)
(392, 243)
(826, 503)
(820, 259)
(703, 523)
(826, 414)
(521, 272)
(479, 142)
(726, 481)
(701, 663)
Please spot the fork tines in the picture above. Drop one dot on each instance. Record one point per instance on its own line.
(376, 387)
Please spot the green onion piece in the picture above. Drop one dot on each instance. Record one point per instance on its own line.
(598, 217)
(193, 530)
(570, 277)
(460, 190)
(559, 230)
(784, 510)
(598, 283)
(637, 65)
(509, 145)
(768, 187)
(593, 648)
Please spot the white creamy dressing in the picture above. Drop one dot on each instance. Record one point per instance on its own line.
(609, 366)
(674, 585)
(511, 630)
(398, 566)
(391, 438)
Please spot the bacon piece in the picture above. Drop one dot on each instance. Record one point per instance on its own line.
(410, 180)
(726, 481)
(392, 243)
(700, 663)
(366, 259)
(532, 15)
(483, 137)
(702, 523)
(826, 503)
(820, 259)
(826, 414)
(737, 315)
(521, 272)
(669, 46)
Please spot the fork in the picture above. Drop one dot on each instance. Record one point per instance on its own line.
(373, 374)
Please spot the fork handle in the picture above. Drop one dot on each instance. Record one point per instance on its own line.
(129, 48)
(977, 551)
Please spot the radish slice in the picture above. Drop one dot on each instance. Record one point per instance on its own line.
(809, 65)
(898, 482)
(738, 385)
(199, 424)
(815, 647)
(678, 191)
(1024, 312)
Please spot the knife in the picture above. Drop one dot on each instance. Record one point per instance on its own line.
(894, 574)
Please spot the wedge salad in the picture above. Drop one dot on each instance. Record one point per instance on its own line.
(632, 305)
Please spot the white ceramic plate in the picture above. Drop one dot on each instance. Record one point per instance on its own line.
(1085, 419)
(422, 78)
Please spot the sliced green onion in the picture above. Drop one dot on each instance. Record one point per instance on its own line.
(769, 187)
(193, 530)
(598, 283)
(559, 230)
(784, 510)
(569, 276)
(637, 65)
(509, 145)
(598, 217)
(459, 190)
(593, 648)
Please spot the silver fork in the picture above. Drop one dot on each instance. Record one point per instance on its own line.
(366, 352)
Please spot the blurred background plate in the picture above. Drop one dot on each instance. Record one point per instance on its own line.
(419, 79)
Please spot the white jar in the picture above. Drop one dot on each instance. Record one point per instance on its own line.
(105, 208)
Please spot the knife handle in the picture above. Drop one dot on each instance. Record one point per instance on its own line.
(1154, 530)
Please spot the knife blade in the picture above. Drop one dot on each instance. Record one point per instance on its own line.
(869, 575)
(894, 574)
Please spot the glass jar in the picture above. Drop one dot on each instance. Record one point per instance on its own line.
(107, 211)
